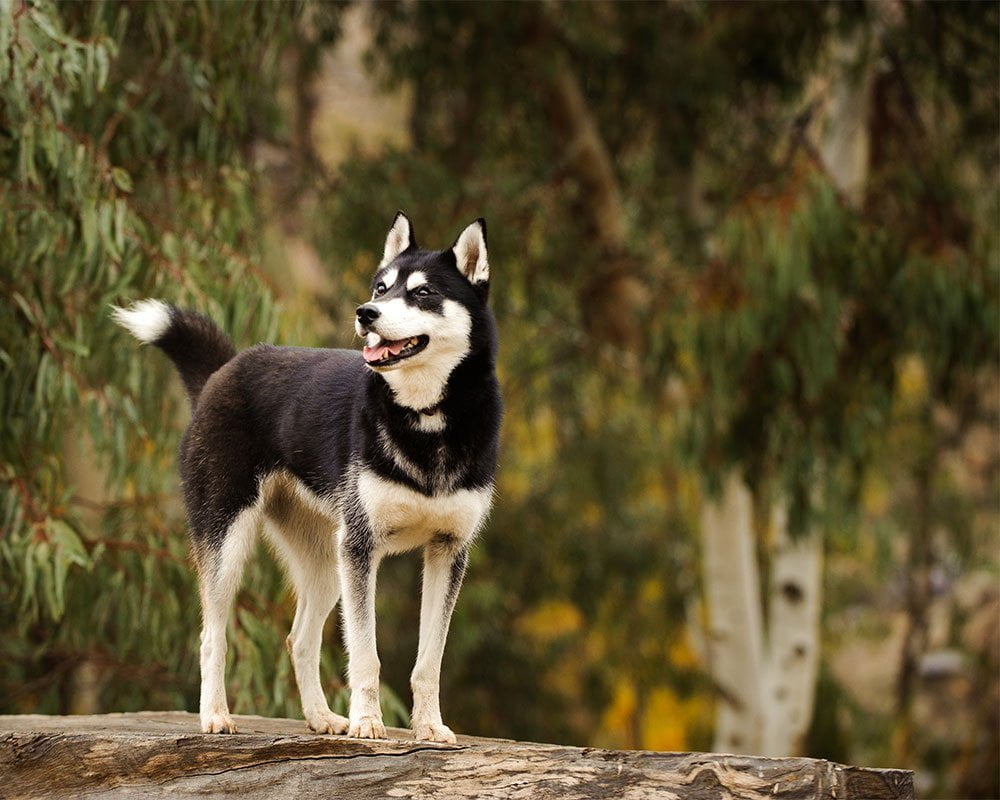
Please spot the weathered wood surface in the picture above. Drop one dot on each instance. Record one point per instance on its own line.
(160, 754)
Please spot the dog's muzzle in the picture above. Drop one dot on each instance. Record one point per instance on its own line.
(367, 314)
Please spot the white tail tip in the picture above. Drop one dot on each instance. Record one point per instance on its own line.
(146, 320)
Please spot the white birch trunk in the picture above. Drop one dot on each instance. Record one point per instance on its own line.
(844, 141)
(793, 647)
(844, 92)
(766, 676)
(735, 619)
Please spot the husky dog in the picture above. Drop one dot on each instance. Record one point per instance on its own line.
(342, 458)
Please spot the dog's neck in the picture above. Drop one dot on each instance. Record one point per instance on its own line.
(418, 389)
(424, 389)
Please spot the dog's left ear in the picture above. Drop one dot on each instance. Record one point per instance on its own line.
(399, 238)
(470, 253)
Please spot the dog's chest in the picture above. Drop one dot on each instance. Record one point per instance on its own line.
(403, 519)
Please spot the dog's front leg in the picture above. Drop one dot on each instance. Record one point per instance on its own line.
(358, 565)
(444, 568)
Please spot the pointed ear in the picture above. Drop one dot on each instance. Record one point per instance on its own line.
(470, 253)
(399, 238)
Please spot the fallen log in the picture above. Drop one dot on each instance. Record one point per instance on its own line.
(156, 754)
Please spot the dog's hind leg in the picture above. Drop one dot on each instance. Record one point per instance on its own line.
(307, 546)
(444, 567)
(220, 572)
(317, 593)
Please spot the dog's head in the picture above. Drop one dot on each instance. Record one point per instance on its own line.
(428, 311)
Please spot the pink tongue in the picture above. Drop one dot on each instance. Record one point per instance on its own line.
(376, 353)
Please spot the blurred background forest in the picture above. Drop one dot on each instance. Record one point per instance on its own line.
(746, 275)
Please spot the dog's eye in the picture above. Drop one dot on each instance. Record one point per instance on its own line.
(423, 291)
(380, 289)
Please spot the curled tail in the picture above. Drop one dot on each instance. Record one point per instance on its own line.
(191, 340)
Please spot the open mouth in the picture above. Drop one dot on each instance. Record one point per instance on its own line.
(386, 352)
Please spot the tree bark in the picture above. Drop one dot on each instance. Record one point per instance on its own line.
(766, 676)
(612, 296)
(735, 634)
(793, 647)
(844, 141)
(151, 755)
(588, 158)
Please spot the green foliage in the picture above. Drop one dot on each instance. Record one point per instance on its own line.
(798, 330)
(126, 174)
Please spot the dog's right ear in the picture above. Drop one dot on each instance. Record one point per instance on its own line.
(399, 239)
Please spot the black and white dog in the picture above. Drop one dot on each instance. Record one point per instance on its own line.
(342, 458)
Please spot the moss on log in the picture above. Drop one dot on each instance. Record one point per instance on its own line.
(155, 754)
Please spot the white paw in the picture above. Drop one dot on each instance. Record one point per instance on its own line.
(327, 722)
(366, 728)
(433, 732)
(217, 723)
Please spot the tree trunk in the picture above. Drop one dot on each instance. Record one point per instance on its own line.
(844, 140)
(162, 754)
(793, 647)
(735, 635)
(610, 298)
(766, 677)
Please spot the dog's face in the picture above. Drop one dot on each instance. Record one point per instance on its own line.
(428, 307)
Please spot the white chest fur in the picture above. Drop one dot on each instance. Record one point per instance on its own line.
(403, 519)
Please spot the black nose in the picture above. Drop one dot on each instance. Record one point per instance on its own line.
(367, 314)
